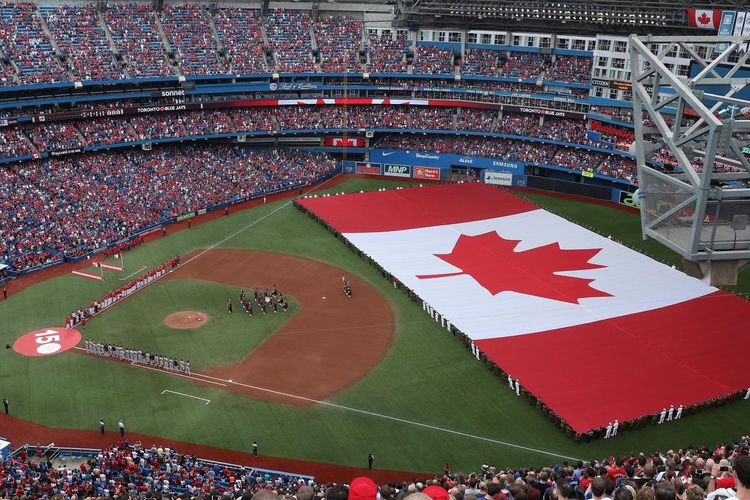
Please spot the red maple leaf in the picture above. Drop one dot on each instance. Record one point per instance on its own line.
(704, 19)
(493, 262)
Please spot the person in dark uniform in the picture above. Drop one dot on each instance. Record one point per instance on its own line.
(101, 426)
(255, 449)
(370, 460)
(229, 306)
(5, 405)
(5, 293)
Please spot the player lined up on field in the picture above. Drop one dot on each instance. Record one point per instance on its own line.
(82, 314)
(137, 356)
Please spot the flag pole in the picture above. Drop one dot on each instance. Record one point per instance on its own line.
(101, 270)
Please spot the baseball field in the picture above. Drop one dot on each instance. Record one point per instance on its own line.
(331, 379)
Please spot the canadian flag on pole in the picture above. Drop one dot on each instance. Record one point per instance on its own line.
(704, 19)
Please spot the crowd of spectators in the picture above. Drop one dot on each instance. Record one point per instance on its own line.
(288, 33)
(524, 64)
(620, 168)
(106, 131)
(386, 54)
(573, 69)
(339, 40)
(482, 62)
(433, 60)
(54, 206)
(61, 135)
(82, 40)
(692, 473)
(23, 40)
(53, 136)
(229, 40)
(188, 30)
(238, 31)
(136, 35)
(14, 143)
(624, 114)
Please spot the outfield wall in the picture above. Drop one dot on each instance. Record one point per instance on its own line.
(437, 167)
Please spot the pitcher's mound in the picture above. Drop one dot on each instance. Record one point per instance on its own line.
(186, 320)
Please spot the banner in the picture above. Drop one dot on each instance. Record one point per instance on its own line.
(188, 215)
(427, 173)
(344, 142)
(393, 170)
(498, 178)
(367, 168)
(727, 25)
(62, 152)
(605, 128)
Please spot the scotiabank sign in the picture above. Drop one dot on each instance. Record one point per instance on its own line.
(367, 168)
(341, 142)
(426, 173)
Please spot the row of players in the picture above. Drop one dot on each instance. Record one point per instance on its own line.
(137, 356)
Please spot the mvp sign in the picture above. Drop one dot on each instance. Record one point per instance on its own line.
(396, 170)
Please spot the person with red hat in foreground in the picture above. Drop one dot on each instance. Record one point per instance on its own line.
(363, 488)
(436, 493)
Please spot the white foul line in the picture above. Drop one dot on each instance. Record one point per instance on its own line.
(283, 205)
(389, 417)
(186, 395)
(133, 274)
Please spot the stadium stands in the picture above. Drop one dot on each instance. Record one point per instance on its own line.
(188, 28)
(22, 38)
(56, 203)
(126, 470)
(339, 40)
(433, 60)
(288, 33)
(231, 40)
(135, 33)
(573, 69)
(238, 31)
(482, 62)
(386, 54)
(82, 40)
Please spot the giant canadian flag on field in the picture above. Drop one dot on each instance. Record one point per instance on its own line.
(597, 331)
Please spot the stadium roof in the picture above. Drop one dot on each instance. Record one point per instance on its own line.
(574, 16)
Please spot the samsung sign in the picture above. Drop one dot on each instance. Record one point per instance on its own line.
(498, 178)
(396, 170)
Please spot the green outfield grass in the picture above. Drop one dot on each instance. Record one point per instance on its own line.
(428, 402)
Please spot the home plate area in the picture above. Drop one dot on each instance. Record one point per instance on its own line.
(539, 296)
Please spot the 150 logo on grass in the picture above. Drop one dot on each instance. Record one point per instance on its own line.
(47, 341)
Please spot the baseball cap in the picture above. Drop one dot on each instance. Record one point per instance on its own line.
(362, 488)
(436, 493)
